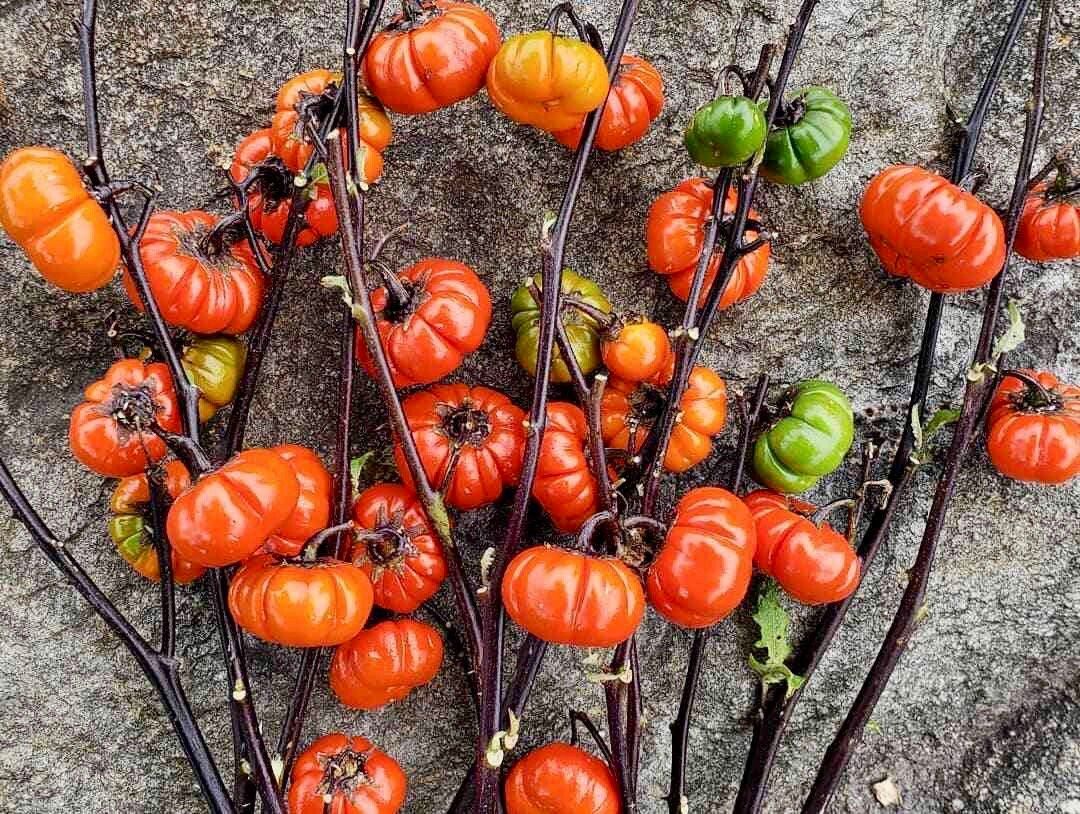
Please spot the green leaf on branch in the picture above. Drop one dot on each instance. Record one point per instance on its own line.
(1014, 334)
(1006, 343)
(357, 466)
(773, 621)
(923, 435)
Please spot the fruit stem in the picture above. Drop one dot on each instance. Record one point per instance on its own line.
(904, 621)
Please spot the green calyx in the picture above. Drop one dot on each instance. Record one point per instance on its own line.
(582, 330)
(807, 443)
(726, 132)
(811, 137)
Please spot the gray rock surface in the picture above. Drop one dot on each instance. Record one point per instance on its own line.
(983, 715)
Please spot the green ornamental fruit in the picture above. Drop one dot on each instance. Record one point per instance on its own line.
(810, 441)
(726, 132)
(581, 329)
(214, 364)
(811, 137)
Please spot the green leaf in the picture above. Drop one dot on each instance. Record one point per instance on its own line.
(923, 435)
(942, 418)
(357, 466)
(1014, 334)
(319, 177)
(773, 621)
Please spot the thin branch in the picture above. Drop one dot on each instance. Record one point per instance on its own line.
(493, 618)
(364, 314)
(680, 727)
(163, 552)
(905, 620)
(159, 669)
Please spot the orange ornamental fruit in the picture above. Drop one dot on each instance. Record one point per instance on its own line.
(227, 515)
(131, 531)
(47, 210)
(702, 571)
(396, 547)
(629, 410)
(109, 432)
(343, 775)
(319, 603)
(812, 563)
(311, 513)
(293, 146)
(675, 236)
(1049, 228)
(547, 81)
(923, 227)
(385, 663)
(565, 485)
(433, 54)
(198, 285)
(436, 315)
(561, 779)
(471, 440)
(636, 99)
(1033, 434)
(566, 597)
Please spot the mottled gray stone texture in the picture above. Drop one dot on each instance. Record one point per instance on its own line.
(984, 712)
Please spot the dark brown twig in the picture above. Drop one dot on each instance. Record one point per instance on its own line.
(905, 620)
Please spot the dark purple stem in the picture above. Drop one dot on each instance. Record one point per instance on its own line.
(904, 622)
(160, 670)
(493, 621)
(680, 727)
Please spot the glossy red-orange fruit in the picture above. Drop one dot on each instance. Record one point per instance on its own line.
(294, 146)
(109, 431)
(205, 288)
(269, 200)
(628, 411)
(227, 515)
(925, 228)
(637, 351)
(813, 563)
(702, 571)
(566, 597)
(355, 776)
(432, 55)
(1048, 229)
(558, 778)
(317, 603)
(397, 548)
(131, 532)
(470, 439)
(386, 662)
(565, 485)
(635, 100)
(675, 236)
(445, 312)
(48, 211)
(311, 513)
(1032, 438)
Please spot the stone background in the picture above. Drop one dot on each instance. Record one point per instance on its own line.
(984, 713)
